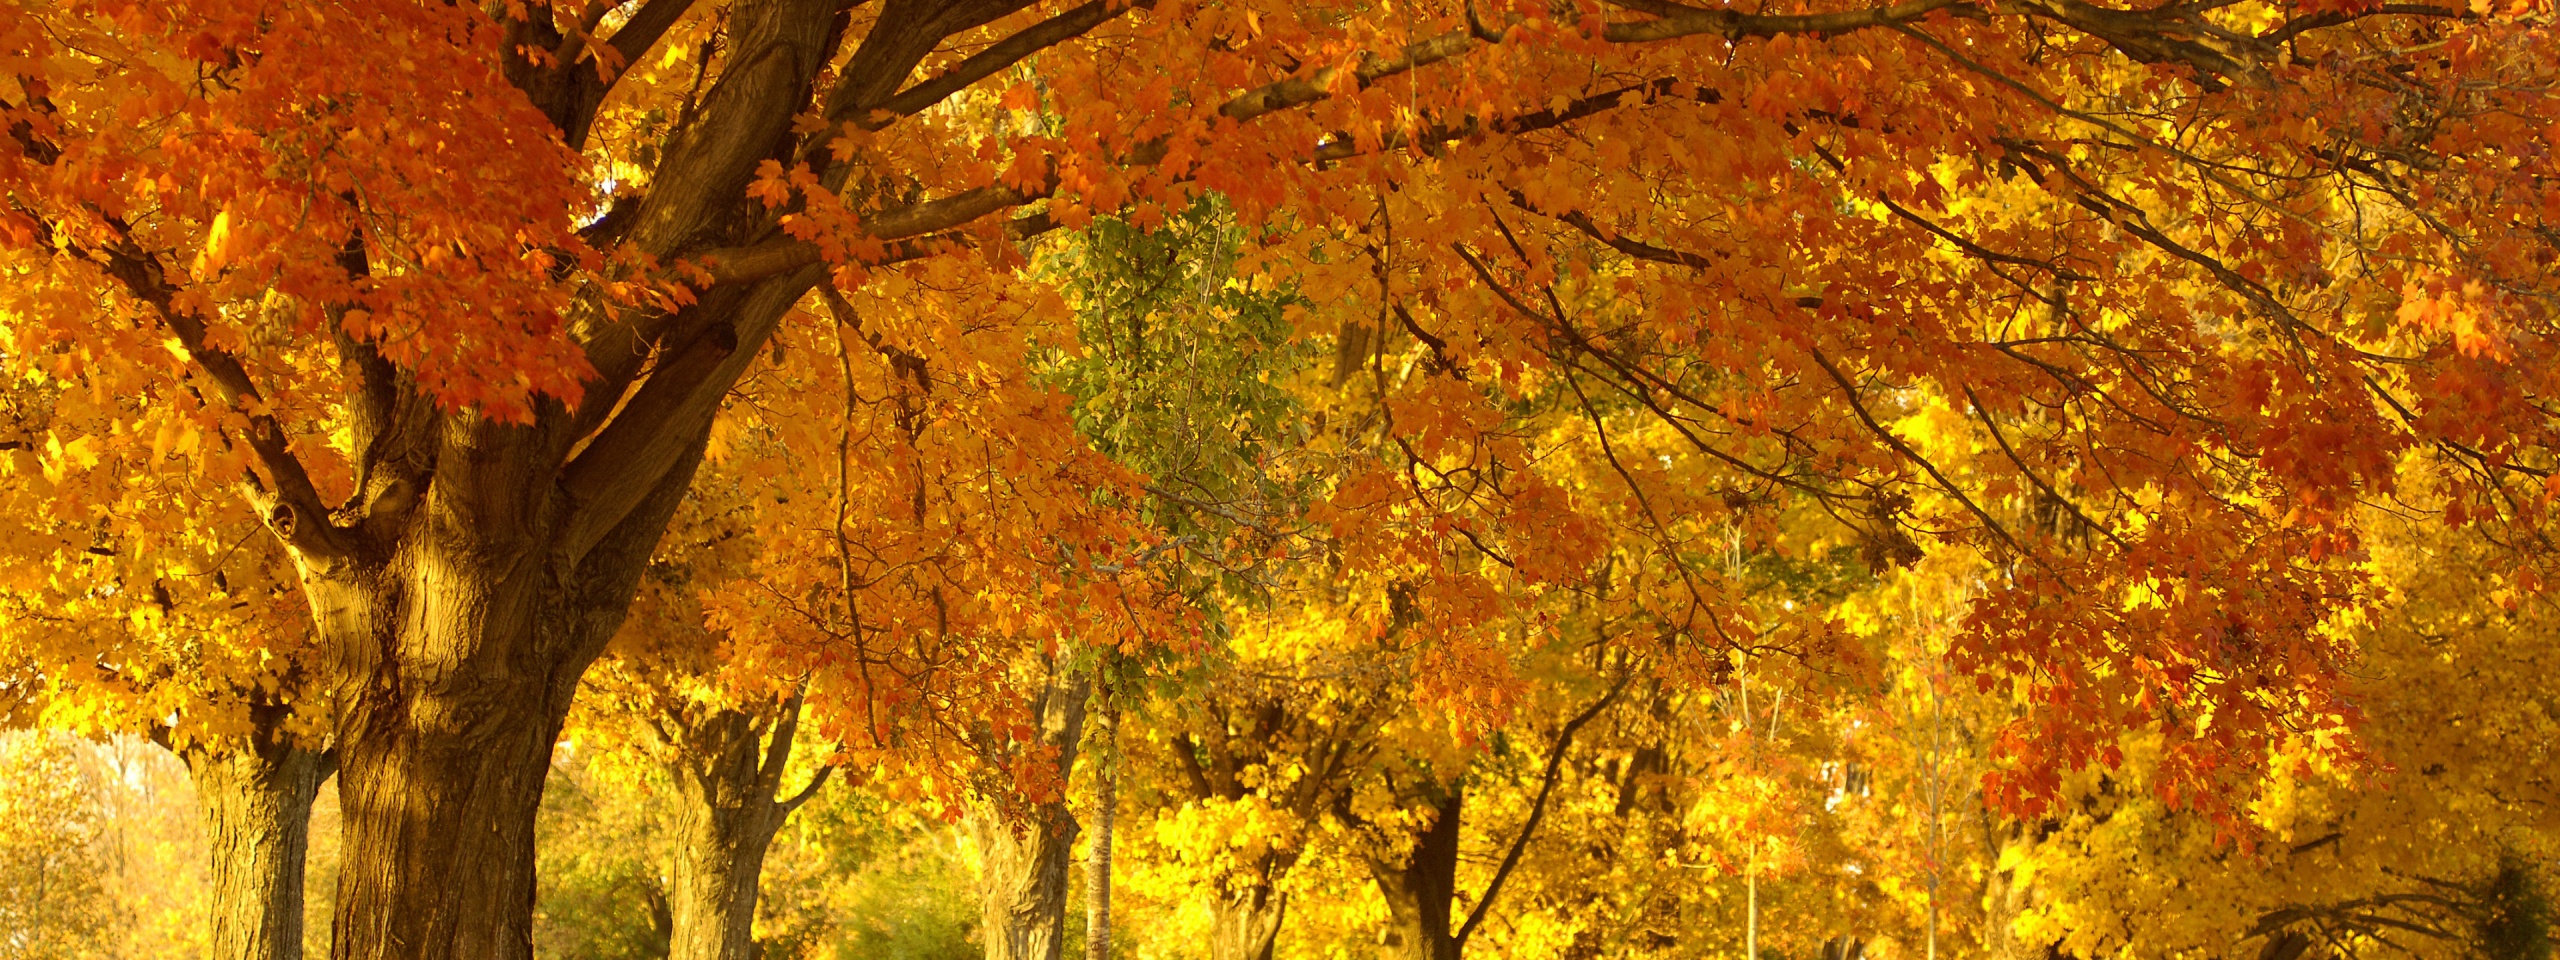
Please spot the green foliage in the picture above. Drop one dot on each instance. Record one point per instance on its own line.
(1184, 376)
(601, 892)
(2514, 914)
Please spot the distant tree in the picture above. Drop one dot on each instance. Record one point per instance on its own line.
(54, 903)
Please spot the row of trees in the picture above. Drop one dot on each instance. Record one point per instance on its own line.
(1294, 803)
(1397, 427)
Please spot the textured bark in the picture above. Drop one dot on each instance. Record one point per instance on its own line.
(1421, 889)
(476, 566)
(257, 808)
(444, 769)
(1245, 924)
(460, 653)
(480, 566)
(729, 774)
(1023, 882)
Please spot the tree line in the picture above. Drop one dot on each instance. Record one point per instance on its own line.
(1466, 473)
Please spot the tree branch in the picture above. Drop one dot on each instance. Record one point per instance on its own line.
(994, 59)
(1984, 412)
(291, 506)
(1538, 807)
(671, 409)
(796, 800)
(1904, 449)
(644, 29)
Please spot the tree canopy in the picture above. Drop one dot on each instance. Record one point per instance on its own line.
(961, 367)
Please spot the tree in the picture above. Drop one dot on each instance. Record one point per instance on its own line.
(192, 639)
(257, 798)
(1028, 850)
(449, 297)
(947, 624)
(1248, 762)
(725, 733)
(2437, 846)
(49, 852)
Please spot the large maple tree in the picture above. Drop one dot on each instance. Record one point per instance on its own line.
(449, 296)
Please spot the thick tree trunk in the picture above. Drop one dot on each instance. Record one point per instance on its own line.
(729, 776)
(479, 562)
(1024, 883)
(460, 654)
(1421, 890)
(1024, 878)
(257, 807)
(439, 798)
(1245, 924)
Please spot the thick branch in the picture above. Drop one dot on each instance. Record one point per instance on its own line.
(644, 29)
(994, 59)
(667, 417)
(291, 505)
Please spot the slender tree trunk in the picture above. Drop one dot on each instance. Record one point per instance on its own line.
(1421, 890)
(257, 805)
(1106, 799)
(729, 775)
(1245, 924)
(1024, 880)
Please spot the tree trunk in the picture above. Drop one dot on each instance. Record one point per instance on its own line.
(1422, 889)
(257, 811)
(1245, 924)
(730, 778)
(1106, 800)
(479, 562)
(1024, 879)
(439, 798)
(460, 653)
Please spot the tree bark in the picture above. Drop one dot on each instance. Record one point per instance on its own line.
(1106, 800)
(1421, 889)
(730, 776)
(439, 798)
(1023, 883)
(257, 808)
(460, 654)
(1245, 924)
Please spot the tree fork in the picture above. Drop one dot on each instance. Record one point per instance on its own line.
(1245, 924)
(1024, 889)
(728, 770)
